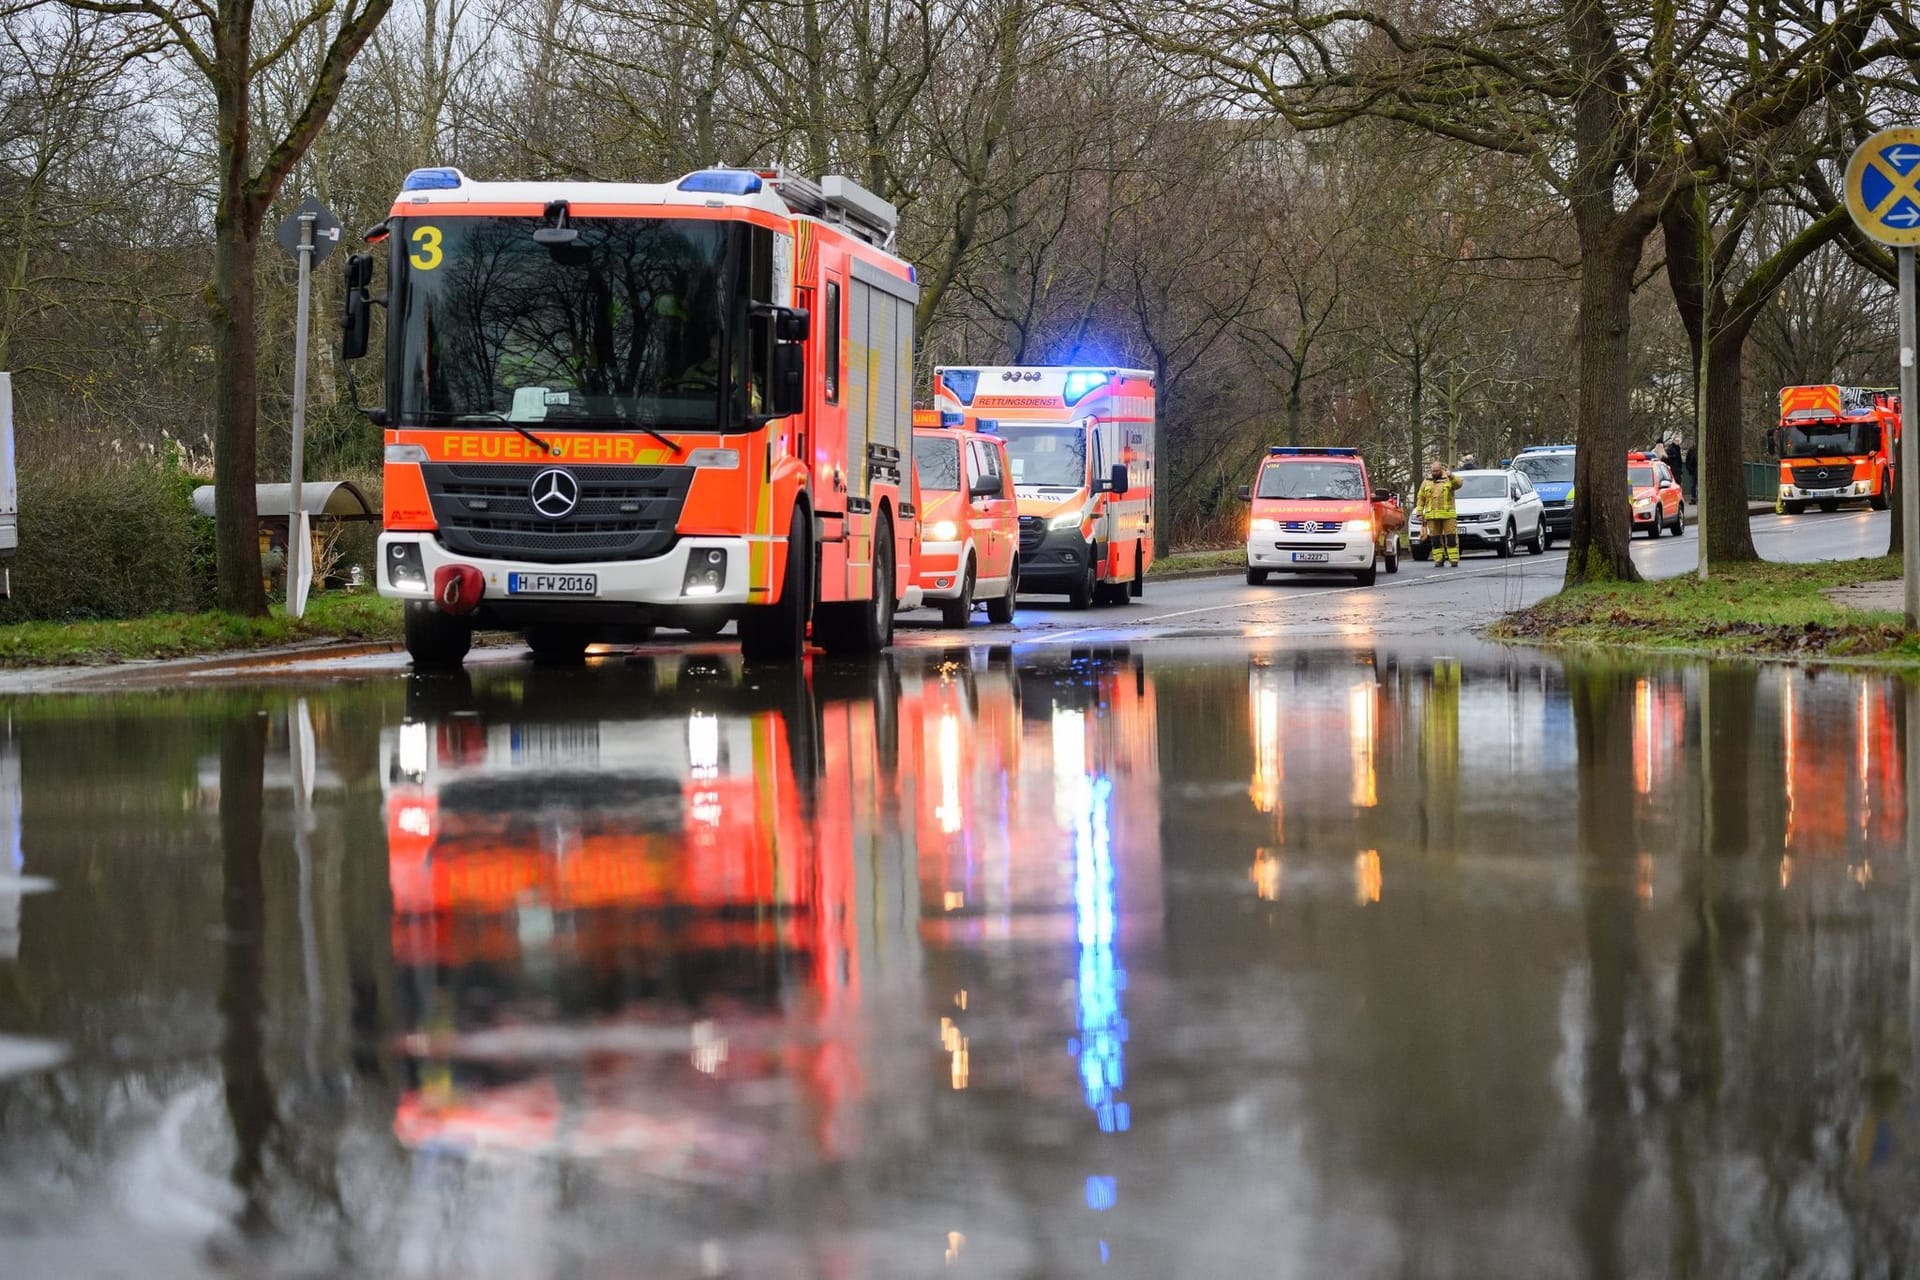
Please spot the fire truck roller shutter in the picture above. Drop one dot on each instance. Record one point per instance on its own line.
(880, 370)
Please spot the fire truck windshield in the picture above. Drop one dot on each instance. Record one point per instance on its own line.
(634, 323)
(1813, 439)
(1049, 457)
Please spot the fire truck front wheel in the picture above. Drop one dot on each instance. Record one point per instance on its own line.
(1879, 501)
(778, 632)
(436, 641)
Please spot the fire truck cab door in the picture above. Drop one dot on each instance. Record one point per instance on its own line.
(827, 430)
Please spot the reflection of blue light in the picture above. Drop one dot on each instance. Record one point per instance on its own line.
(1103, 1029)
(1100, 1044)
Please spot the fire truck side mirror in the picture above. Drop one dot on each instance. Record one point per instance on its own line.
(792, 324)
(1773, 442)
(356, 317)
(789, 380)
(1245, 493)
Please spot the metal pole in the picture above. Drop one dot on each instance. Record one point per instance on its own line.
(297, 550)
(1909, 473)
(1700, 449)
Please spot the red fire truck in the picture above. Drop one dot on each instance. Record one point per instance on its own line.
(615, 405)
(1835, 444)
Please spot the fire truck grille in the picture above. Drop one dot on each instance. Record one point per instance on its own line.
(1033, 531)
(622, 513)
(1829, 477)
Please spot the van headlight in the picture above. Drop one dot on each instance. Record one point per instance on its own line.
(1071, 520)
(1261, 524)
(943, 531)
(1358, 526)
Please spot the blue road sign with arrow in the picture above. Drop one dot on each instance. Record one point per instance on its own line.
(1883, 187)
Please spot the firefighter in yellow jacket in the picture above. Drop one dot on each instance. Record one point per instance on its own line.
(1434, 503)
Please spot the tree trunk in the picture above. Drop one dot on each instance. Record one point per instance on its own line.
(1293, 409)
(1417, 412)
(243, 1004)
(236, 416)
(1723, 453)
(1598, 549)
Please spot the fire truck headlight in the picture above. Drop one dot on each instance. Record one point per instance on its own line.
(404, 565)
(706, 572)
(406, 453)
(1358, 526)
(715, 459)
(1070, 520)
(943, 531)
(1261, 524)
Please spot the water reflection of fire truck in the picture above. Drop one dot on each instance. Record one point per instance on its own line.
(1842, 765)
(618, 900)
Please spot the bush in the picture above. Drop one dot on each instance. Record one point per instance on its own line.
(107, 537)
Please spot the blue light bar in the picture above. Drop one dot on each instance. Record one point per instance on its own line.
(1547, 448)
(1287, 451)
(432, 180)
(1082, 381)
(987, 426)
(722, 182)
(948, 418)
(962, 382)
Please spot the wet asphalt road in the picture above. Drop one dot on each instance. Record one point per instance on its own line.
(1255, 939)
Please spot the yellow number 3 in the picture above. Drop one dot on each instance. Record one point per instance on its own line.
(426, 253)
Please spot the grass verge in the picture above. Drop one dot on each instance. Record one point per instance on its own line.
(186, 635)
(1752, 610)
(1188, 561)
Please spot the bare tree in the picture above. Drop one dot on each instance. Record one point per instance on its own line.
(217, 40)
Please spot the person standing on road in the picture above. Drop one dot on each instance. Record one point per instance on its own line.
(1692, 459)
(1435, 506)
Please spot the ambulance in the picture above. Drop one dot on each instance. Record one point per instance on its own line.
(1081, 443)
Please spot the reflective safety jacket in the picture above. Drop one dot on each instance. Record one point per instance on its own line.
(1435, 500)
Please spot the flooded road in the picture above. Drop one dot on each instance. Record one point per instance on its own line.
(1178, 961)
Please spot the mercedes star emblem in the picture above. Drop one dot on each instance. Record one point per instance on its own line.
(554, 493)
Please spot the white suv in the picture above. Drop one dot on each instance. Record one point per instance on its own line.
(1497, 509)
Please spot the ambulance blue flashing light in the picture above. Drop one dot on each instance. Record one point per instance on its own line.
(948, 418)
(721, 182)
(963, 383)
(1080, 382)
(1290, 451)
(987, 426)
(432, 180)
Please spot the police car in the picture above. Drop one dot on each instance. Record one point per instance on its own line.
(1550, 469)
